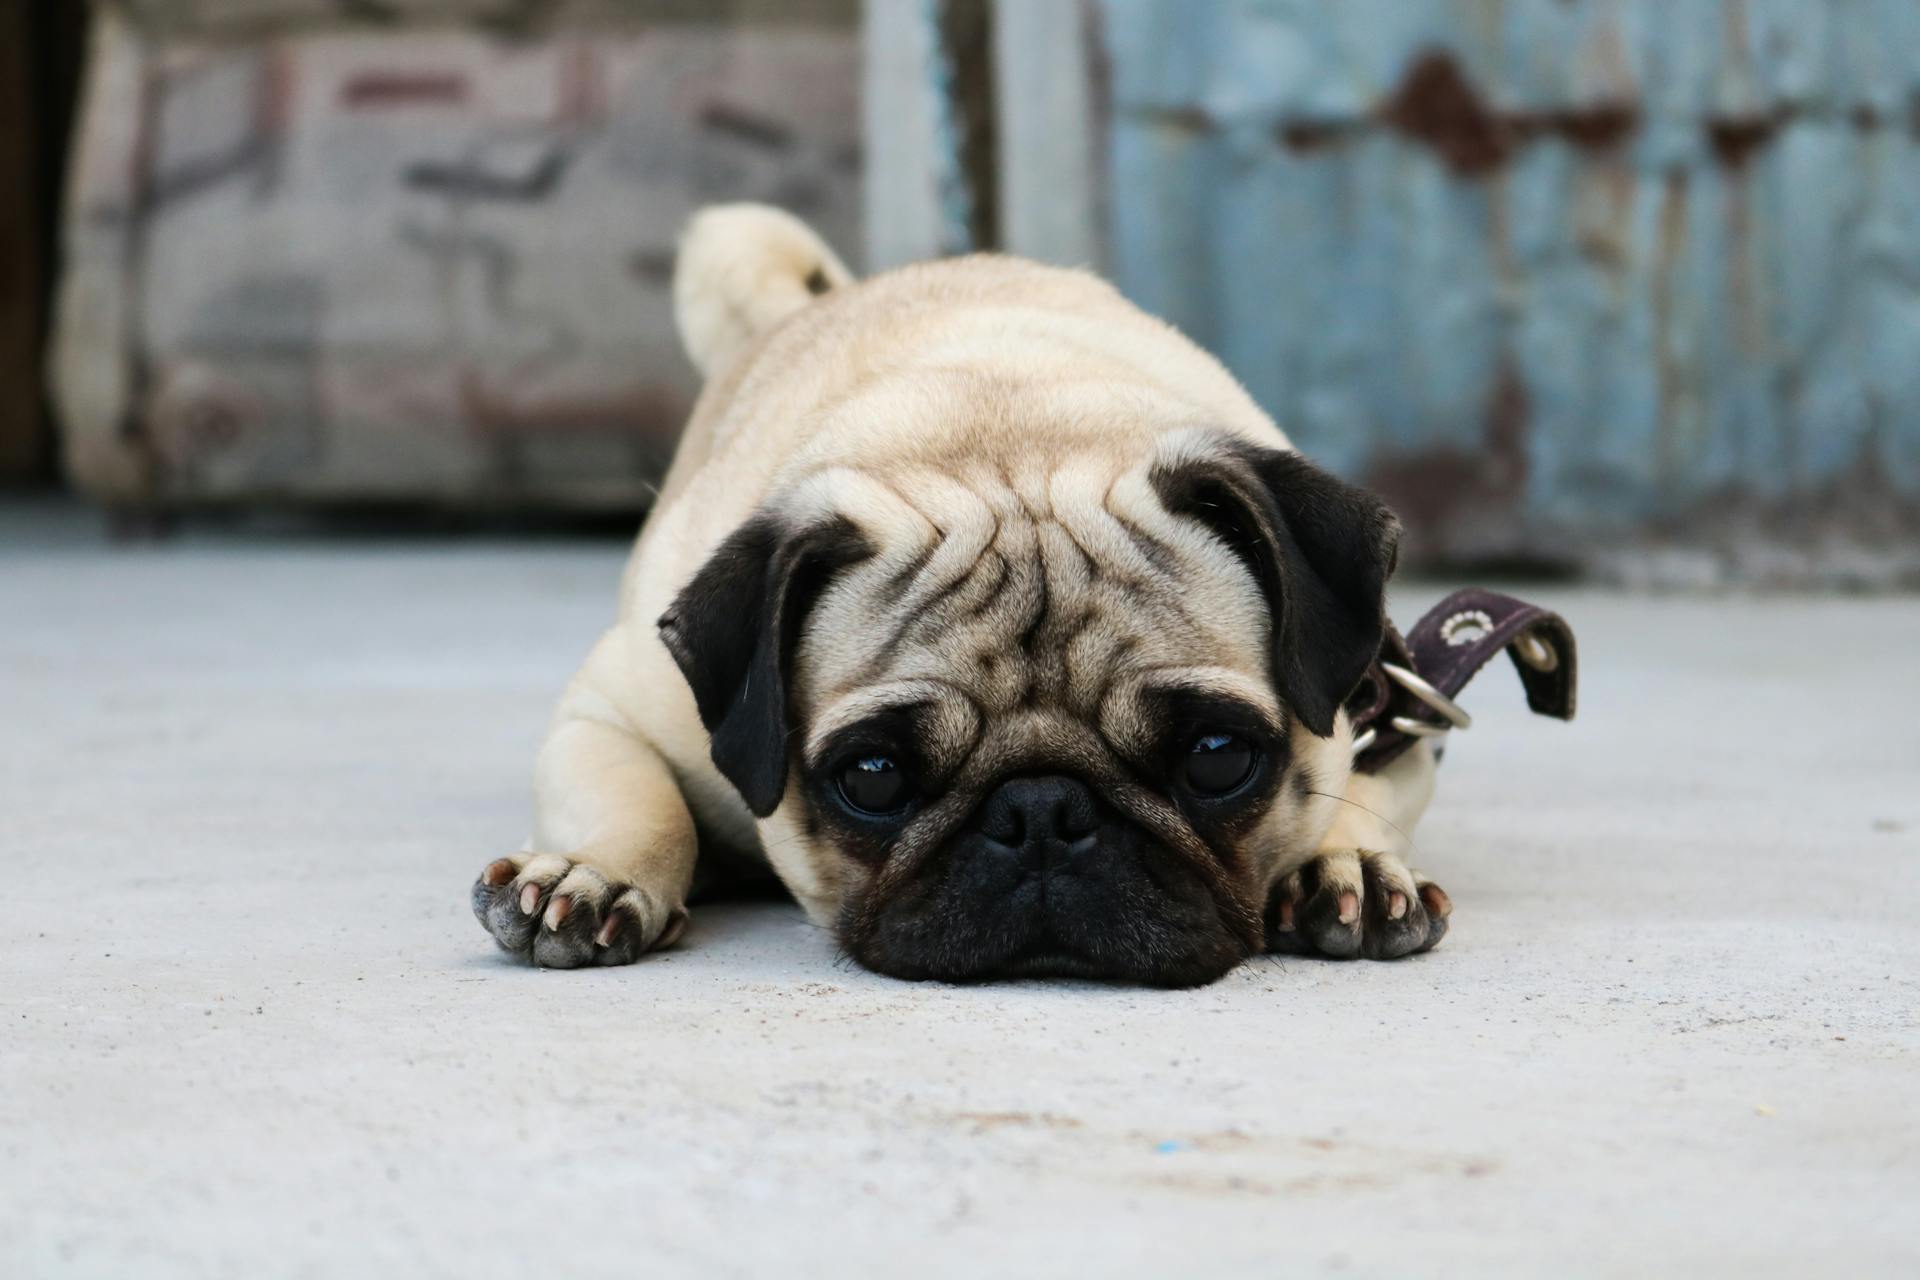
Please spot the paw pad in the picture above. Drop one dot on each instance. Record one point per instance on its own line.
(561, 914)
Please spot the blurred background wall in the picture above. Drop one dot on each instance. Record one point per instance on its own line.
(327, 250)
(1628, 286)
(1625, 284)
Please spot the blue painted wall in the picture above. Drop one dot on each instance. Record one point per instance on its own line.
(1549, 272)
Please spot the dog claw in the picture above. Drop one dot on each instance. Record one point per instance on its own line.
(676, 925)
(562, 914)
(1391, 912)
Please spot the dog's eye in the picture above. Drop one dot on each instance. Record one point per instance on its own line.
(875, 784)
(1217, 763)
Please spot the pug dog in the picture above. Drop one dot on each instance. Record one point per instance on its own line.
(996, 618)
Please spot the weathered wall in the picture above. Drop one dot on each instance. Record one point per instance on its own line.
(1558, 275)
(337, 261)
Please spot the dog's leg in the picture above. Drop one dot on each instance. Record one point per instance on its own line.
(1356, 896)
(605, 878)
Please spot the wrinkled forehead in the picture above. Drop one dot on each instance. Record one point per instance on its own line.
(1061, 592)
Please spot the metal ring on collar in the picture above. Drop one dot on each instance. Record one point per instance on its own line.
(1535, 652)
(1420, 689)
(1420, 728)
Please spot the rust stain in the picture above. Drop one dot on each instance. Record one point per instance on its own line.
(1745, 286)
(1735, 138)
(1509, 414)
(1600, 127)
(1427, 488)
(1610, 241)
(1314, 135)
(1432, 489)
(1859, 507)
(1438, 106)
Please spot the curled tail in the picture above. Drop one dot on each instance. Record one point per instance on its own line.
(742, 269)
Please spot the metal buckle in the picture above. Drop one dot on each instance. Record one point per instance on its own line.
(1419, 688)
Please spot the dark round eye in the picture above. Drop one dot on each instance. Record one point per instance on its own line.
(875, 784)
(1217, 763)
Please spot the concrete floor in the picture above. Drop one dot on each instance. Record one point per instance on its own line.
(248, 1026)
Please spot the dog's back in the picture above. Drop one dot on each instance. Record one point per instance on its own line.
(881, 355)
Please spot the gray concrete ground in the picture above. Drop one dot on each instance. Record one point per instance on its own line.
(249, 1027)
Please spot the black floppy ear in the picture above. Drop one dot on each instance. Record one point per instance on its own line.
(732, 630)
(1320, 548)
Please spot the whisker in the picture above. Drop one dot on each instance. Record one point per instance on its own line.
(1380, 817)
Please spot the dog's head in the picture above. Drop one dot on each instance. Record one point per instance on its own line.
(1059, 717)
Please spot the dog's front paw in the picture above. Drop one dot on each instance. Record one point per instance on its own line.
(563, 914)
(1356, 904)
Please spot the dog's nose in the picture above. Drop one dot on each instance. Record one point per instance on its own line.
(1037, 815)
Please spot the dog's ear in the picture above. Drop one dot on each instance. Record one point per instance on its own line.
(1321, 550)
(733, 630)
